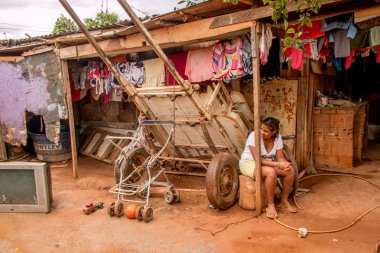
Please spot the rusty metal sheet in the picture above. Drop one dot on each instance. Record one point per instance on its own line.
(32, 84)
(279, 100)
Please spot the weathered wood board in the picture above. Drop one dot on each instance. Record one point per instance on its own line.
(279, 100)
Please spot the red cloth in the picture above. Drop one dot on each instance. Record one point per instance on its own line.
(179, 60)
(75, 94)
(307, 50)
(310, 32)
(378, 54)
(347, 65)
(297, 58)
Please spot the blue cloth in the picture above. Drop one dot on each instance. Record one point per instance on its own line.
(337, 63)
(344, 21)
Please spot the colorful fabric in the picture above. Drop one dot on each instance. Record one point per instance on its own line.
(227, 59)
(154, 73)
(75, 93)
(199, 65)
(265, 43)
(374, 36)
(179, 61)
(337, 63)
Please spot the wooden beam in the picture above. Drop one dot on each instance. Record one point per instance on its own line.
(253, 14)
(256, 113)
(69, 105)
(166, 37)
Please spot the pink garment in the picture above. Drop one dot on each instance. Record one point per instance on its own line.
(297, 58)
(378, 54)
(308, 52)
(199, 65)
(227, 59)
(347, 65)
(179, 60)
(265, 43)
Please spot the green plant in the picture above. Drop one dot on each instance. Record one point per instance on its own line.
(102, 19)
(64, 25)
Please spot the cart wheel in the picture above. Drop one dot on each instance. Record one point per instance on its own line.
(133, 158)
(147, 214)
(290, 157)
(144, 193)
(119, 209)
(176, 196)
(169, 197)
(111, 209)
(139, 213)
(222, 180)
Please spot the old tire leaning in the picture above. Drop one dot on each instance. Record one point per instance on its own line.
(222, 180)
(290, 157)
(136, 157)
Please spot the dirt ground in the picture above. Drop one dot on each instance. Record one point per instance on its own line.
(191, 226)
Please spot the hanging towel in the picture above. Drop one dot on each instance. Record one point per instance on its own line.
(341, 43)
(378, 54)
(154, 73)
(247, 55)
(374, 37)
(199, 65)
(265, 43)
(179, 61)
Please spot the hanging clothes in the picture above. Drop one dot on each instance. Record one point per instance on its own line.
(75, 93)
(297, 58)
(344, 21)
(378, 54)
(199, 65)
(312, 32)
(374, 36)
(154, 73)
(227, 59)
(83, 77)
(348, 63)
(133, 72)
(341, 43)
(361, 40)
(179, 61)
(337, 63)
(247, 55)
(265, 43)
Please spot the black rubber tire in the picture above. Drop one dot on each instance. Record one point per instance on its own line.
(169, 197)
(137, 156)
(177, 197)
(222, 180)
(111, 209)
(119, 209)
(139, 212)
(147, 214)
(290, 157)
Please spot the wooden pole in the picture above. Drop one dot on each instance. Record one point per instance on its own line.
(256, 111)
(69, 104)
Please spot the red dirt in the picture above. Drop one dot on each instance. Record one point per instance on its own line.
(190, 226)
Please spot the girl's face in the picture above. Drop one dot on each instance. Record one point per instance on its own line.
(267, 133)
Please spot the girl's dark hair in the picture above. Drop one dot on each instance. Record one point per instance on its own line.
(272, 123)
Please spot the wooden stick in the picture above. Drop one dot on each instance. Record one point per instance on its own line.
(69, 104)
(256, 112)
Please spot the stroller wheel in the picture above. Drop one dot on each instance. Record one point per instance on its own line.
(169, 197)
(119, 209)
(147, 214)
(176, 196)
(111, 209)
(139, 213)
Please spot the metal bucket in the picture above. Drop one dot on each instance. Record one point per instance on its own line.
(49, 151)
